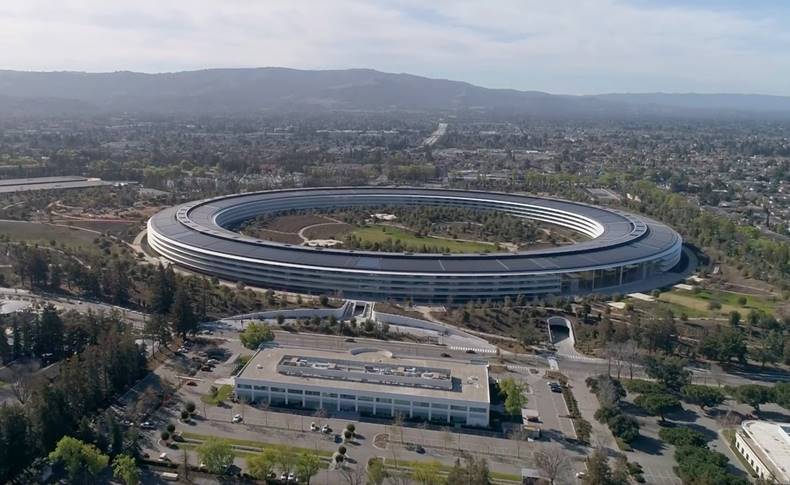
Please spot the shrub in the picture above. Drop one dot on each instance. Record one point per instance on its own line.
(165, 436)
(341, 449)
(682, 437)
(171, 427)
(641, 386)
(624, 427)
(184, 415)
(351, 427)
(190, 407)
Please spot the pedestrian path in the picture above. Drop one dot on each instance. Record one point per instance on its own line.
(477, 350)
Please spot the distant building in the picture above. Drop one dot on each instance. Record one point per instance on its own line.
(766, 447)
(369, 383)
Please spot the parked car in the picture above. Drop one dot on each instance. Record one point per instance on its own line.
(147, 425)
(445, 354)
(313, 427)
(237, 418)
(326, 429)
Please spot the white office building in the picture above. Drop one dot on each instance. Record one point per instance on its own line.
(766, 447)
(370, 383)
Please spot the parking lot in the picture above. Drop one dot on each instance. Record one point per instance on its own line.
(294, 426)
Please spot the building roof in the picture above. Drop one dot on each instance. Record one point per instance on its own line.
(469, 381)
(618, 237)
(773, 446)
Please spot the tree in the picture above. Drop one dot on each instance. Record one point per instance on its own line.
(770, 348)
(16, 442)
(735, 318)
(376, 472)
(553, 462)
(624, 427)
(426, 472)
(260, 465)
(598, 471)
(307, 465)
(669, 371)
(256, 334)
(216, 455)
(157, 328)
(124, 468)
(286, 461)
(753, 395)
(657, 404)
(682, 437)
(162, 290)
(658, 333)
(515, 398)
(704, 396)
(182, 315)
(724, 345)
(782, 394)
(79, 458)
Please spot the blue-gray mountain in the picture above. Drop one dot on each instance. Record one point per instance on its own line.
(279, 89)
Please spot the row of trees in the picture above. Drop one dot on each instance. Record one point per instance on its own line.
(86, 383)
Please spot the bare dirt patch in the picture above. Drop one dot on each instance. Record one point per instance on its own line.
(280, 237)
(293, 223)
(332, 230)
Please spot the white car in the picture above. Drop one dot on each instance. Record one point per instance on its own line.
(237, 418)
(326, 429)
(313, 427)
(163, 457)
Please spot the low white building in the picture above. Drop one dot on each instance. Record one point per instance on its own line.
(369, 383)
(766, 447)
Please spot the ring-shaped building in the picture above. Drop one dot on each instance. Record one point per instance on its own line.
(622, 248)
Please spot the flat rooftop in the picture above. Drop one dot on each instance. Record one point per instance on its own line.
(773, 440)
(371, 371)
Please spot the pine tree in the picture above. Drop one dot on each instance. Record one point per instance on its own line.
(183, 316)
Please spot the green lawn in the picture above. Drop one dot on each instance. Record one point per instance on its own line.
(223, 394)
(696, 304)
(380, 233)
(44, 234)
(249, 447)
(445, 469)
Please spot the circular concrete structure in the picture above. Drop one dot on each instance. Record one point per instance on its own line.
(623, 249)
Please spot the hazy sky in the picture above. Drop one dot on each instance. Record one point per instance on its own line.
(581, 46)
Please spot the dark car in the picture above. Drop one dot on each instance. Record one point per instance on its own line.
(445, 354)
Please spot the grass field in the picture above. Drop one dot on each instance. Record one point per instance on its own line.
(44, 234)
(249, 447)
(380, 233)
(697, 304)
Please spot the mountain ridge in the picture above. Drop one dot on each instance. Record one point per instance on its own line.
(243, 90)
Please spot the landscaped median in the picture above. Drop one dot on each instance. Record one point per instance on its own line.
(246, 448)
(407, 467)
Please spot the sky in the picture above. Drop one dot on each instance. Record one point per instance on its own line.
(557, 46)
